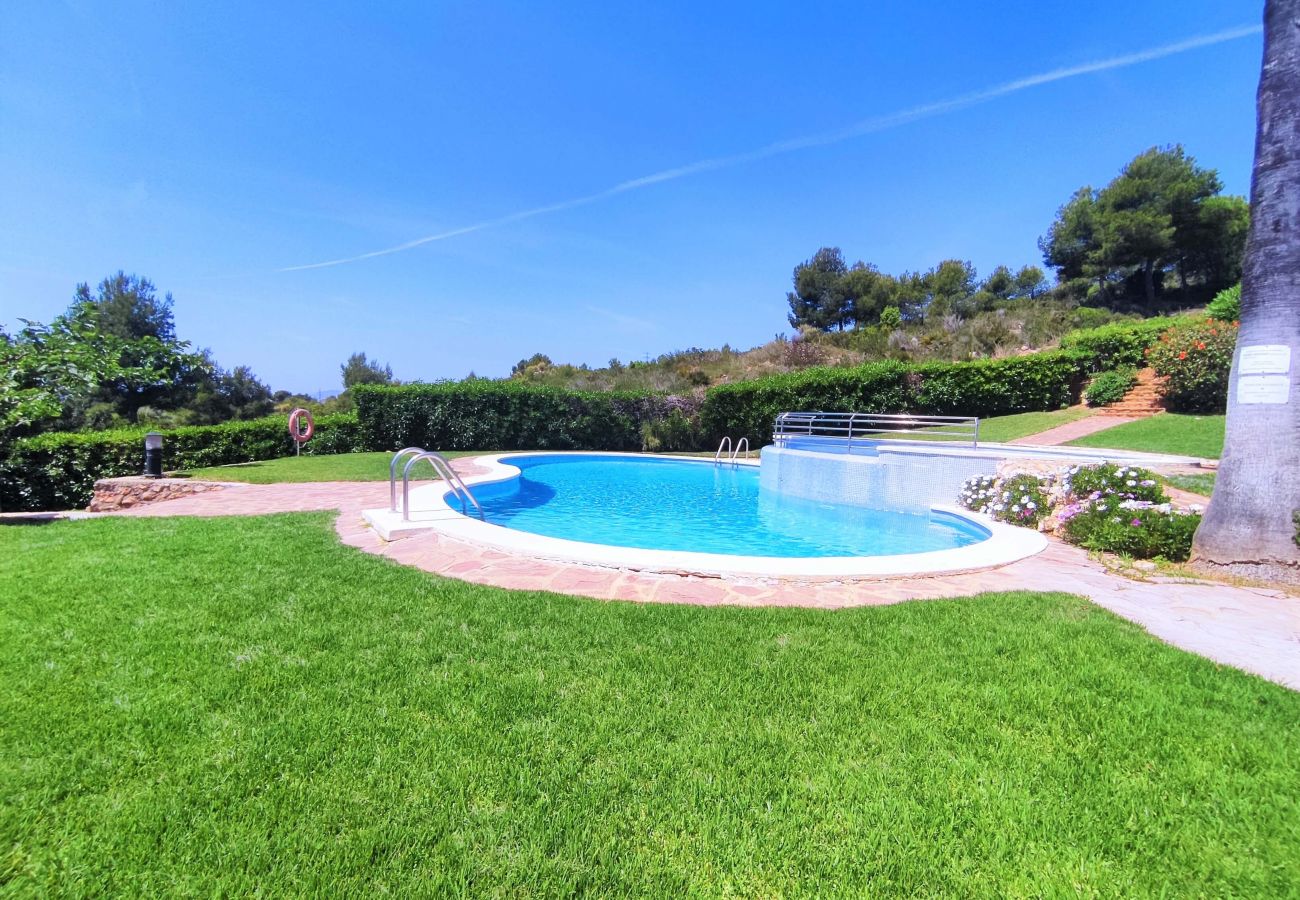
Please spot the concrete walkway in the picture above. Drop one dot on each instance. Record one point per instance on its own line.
(1071, 431)
(1254, 629)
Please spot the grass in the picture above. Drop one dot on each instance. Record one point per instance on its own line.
(330, 467)
(235, 707)
(1000, 429)
(1182, 435)
(1202, 484)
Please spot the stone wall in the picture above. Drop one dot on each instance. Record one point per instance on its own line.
(123, 493)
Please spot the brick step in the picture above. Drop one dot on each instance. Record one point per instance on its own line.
(1142, 401)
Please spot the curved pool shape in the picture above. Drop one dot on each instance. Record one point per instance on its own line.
(678, 505)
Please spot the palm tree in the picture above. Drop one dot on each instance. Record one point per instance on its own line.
(1249, 528)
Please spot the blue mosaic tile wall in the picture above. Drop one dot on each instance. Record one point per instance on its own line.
(911, 482)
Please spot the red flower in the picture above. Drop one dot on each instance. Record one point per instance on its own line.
(1200, 346)
(1182, 355)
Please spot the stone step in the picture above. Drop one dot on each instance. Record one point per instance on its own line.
(1141, 401)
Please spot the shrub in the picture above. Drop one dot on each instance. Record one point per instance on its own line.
(676, 432)
(1041, 381)
(1133, 528)
(1120, 344)
(1117, 509)
(58, 470)
(1020, 500)
(1108, 479)
(508, 415)
(1226, 305)
(978, 492)
(1110, 387)
(1195, 359)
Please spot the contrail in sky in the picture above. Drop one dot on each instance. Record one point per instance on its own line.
(821, 139)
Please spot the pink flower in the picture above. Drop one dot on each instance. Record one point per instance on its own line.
(1136, 522)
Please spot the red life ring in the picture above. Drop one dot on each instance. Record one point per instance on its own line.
(295, 432)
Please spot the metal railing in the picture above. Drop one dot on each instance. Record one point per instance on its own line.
(849, 427)
(732, 452)
(441, 466)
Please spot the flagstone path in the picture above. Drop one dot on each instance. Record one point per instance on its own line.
(1251, 628)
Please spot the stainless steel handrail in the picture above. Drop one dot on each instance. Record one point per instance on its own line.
(392, 475)
(744, 441)
(857, 426)
(725, 442)
(449, 475)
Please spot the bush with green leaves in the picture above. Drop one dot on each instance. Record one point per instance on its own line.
(675, 432)
(1226, 305)
(1195, 360)
(1109, 479)
(1118, 344)
(1123, 509)
(59, 470)
(1117, 509)
(1110, 387)
(1133, 528)
(508, 415)
(1021, 500)
(1039, 381)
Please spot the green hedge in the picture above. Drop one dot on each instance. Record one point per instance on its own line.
(1041, 381)
(504, 415)
(1119, 344)
(58, 471)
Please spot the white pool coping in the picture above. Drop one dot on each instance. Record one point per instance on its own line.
(430, 512)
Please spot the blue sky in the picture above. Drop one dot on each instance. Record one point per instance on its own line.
(216, 148)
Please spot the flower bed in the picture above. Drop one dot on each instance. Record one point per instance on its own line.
(1117, 509)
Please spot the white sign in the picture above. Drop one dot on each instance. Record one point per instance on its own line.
(1265, 359)
(1263, 389)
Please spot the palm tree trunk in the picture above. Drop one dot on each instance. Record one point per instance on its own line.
(1248, 528)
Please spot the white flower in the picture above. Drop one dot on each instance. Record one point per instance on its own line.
(1032, 505)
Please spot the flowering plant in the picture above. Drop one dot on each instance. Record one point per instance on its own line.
(1195, 360)
(1120, 509)
(1017, 499)
(1125, 482)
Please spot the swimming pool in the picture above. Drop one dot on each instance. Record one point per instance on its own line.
(699, 507)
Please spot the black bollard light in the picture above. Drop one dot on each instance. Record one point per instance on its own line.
(153, 442)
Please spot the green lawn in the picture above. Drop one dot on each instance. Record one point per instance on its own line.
(336, 467)
(237, 707)
(1197, 484)
(1181, 435)
(1000, 429)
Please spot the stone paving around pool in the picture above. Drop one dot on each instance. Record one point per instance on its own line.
(1251, 628)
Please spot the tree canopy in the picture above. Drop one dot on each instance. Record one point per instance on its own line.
(828, 295)
(1161, 219)
(359, 370)
(113, 358)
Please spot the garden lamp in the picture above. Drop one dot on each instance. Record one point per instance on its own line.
(153, 442)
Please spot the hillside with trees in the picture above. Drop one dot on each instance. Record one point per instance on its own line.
(1159, 237)
(113, 360)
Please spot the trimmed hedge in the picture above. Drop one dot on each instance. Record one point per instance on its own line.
(1041, 381)
(1119, 344)
(58, 470)
(505, 415)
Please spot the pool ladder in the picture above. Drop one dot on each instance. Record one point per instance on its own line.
(441, 466)
(726, 447)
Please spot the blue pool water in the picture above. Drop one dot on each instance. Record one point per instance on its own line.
(677, 505)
